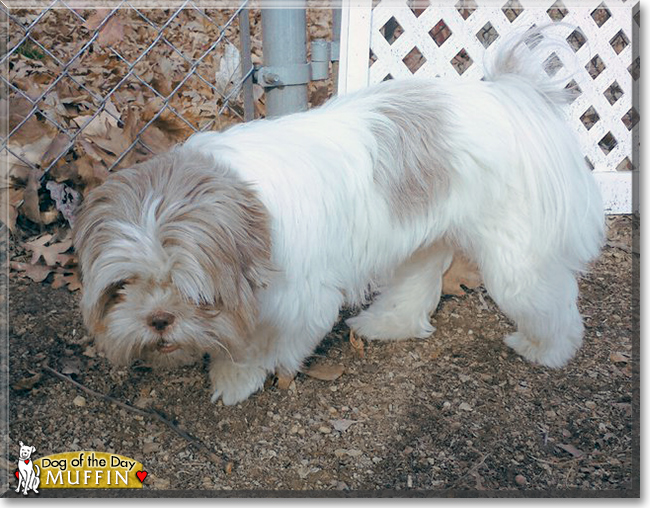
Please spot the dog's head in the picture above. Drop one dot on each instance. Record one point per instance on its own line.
(25, 451)
(172, 252)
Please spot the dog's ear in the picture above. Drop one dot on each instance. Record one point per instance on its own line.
(33, 449)
(20, 443)
(245, 265)
(217, 231)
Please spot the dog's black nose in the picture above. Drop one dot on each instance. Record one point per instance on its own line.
(160, 320)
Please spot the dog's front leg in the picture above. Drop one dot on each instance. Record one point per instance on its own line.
(27, 482)
(234, 382)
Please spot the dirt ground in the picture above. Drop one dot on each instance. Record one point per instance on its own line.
(456, 414)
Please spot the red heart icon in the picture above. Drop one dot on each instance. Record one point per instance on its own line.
(141, 475)
(26, 461)
(17, 474)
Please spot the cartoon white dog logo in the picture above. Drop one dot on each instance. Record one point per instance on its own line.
(27, 477)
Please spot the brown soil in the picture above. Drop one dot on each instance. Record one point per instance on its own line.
(456, 413)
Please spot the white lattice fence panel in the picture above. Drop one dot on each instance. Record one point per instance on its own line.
(449, 38)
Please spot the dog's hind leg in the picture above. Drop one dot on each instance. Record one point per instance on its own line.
(403, 307)
(540, 297)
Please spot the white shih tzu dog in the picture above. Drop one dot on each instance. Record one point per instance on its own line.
(245, 244)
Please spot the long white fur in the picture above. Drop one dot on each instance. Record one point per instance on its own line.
(521, 203)
(381, 186)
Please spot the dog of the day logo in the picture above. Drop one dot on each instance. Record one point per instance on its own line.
(28, 473)
(78, 470)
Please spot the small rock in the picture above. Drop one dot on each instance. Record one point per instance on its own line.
(324, 430)
(162, 483)
(150, 447)
(520, 480)
(79, 401)
(590, 404)
(342, 425)
(464, 406)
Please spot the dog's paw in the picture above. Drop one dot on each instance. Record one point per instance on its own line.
(386, 327)
(234, 383)
(539, 352)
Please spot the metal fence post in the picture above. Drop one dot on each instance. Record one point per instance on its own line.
(246, 66)
(284, 35)
(336, 46)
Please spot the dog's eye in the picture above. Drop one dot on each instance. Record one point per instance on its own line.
(115, 292)
(113, 295)
(210, 309)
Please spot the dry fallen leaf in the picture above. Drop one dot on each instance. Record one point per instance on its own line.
(71, 366)
(38, 273)
(90, 352)
(27, 383)
(49, 253)
(66, 198)
(55, 148)
(284, 381)
(617, 357)
(569, 448)
(228, 69)
(357, 344)
(69, 280)
(96, 19)
(324, 372)
(66, 260)
(31, 206)
(155, 139)
(111, 32)
(462, 271)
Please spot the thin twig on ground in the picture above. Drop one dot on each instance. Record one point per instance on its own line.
(142, 412)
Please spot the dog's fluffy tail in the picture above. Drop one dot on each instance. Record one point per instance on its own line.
(566, 206)
(522, 55)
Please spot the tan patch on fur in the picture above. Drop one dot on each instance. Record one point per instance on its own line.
(410, 170)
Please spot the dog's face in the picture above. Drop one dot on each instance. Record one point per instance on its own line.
(26, 451)
(172, 252)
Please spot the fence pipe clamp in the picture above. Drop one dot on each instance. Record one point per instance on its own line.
(272, 76)
(323, 52)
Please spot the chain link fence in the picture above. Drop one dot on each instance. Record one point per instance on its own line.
(88, 91)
